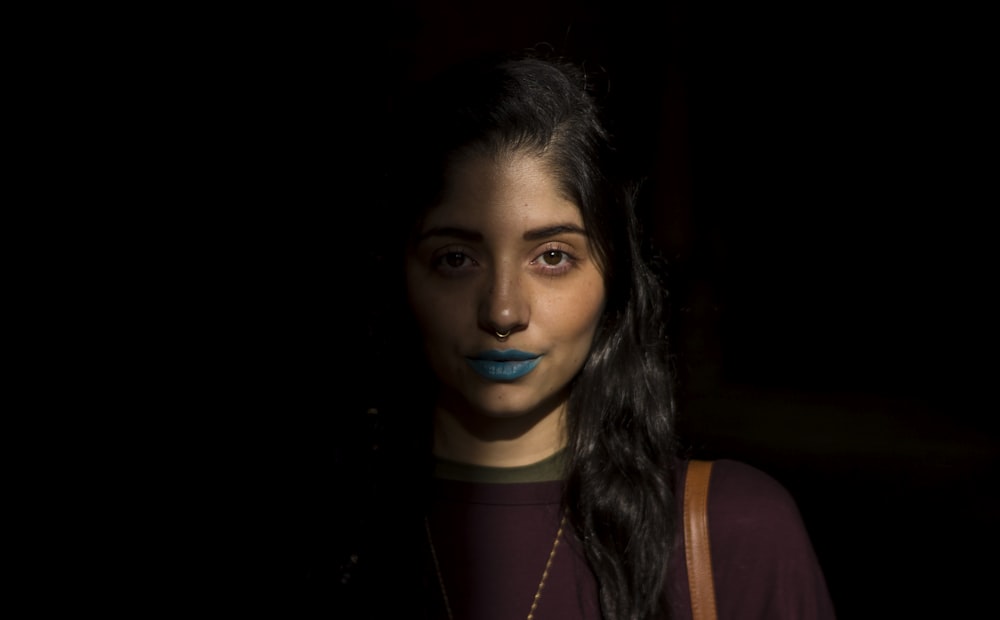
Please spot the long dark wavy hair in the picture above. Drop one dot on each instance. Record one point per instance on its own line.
(621, 445)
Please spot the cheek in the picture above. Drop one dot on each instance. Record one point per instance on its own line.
(425, 311)
(581, 313)
(436, 313)
(589, 321)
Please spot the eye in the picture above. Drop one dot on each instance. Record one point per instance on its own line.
(554, 262)
(553, 257)
(453, 262)
(453, 259)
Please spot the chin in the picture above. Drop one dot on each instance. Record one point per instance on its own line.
(507, 401)
(503, 413)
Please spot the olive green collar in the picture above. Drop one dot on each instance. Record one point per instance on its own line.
(546, 470)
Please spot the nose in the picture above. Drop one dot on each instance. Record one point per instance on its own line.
(505, 306)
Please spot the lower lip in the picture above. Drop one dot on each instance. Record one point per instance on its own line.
(503, 371)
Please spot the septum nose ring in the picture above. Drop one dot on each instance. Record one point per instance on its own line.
(502, 335)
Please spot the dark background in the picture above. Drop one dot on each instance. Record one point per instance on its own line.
(811, 173)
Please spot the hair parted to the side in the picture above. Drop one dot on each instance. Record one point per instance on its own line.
(621, 410)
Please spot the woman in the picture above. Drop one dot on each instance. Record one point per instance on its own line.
(527, 464)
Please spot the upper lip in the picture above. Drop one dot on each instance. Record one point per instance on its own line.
(509, 355)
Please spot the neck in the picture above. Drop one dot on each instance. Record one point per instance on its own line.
(516, 441)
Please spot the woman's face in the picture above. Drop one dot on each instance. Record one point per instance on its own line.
(504, 250)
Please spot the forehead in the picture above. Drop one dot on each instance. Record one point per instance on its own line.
(515, 190)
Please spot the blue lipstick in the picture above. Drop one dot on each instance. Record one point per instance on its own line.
(503, 365)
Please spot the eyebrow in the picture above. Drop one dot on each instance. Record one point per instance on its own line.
(552, 231)
(531, 235)
(451, 231)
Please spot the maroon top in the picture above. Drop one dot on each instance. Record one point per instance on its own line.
(493, 540)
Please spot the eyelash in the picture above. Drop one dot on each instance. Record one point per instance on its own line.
(438, 261)
(566, 263)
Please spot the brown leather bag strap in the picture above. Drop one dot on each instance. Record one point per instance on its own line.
(696, 540)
